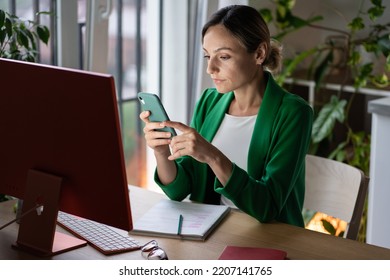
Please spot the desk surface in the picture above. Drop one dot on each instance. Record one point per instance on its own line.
(237, 229)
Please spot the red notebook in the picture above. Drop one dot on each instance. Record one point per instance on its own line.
(251, 253)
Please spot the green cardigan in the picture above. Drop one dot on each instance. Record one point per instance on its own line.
(274, 186)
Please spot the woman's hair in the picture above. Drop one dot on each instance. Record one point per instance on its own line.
(246, 24)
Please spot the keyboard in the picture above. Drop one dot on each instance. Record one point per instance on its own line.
(100, 236)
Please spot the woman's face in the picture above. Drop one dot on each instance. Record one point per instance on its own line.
(228, 63)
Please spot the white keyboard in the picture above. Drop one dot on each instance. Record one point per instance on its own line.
(100, 236)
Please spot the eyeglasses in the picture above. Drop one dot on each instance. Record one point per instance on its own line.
(152, 251)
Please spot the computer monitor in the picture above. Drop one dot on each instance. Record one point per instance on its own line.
(63, 122)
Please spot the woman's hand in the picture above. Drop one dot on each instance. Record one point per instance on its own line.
(157, 140)
(189, 143)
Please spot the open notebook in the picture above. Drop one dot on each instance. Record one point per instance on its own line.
(163, 219)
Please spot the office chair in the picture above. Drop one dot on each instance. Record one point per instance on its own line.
(336, 189)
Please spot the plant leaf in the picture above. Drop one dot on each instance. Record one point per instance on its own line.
(339, 153)
(293, 64)
(43, 33)
(320, 71)
(323, 125)
(8, 27)
(266, 14)
(380, 81)
(48, 13)
(375, 12)
(23, 39)
(30, 36)
(384, 44)
(356, 24)
(3, 33)
(363, 74)
(328, 227)
(2, 18)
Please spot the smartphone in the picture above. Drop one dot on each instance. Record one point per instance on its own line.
(152, 103)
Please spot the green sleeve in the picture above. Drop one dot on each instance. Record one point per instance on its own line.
(180, 187)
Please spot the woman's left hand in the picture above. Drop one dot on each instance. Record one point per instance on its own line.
(191, 143)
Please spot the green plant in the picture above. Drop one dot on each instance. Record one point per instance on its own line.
(329, 56)
(19, 38)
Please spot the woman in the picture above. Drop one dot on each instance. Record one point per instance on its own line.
(248, 138)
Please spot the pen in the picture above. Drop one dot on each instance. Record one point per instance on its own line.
(180, 224)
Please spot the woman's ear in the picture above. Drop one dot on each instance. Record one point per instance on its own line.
(261, 53)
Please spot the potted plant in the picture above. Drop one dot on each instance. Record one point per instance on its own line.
(19, 38)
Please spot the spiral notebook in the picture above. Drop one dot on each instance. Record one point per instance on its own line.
(184, 220)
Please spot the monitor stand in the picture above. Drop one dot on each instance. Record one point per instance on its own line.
(37, 230)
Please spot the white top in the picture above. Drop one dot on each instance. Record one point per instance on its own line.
(233, 139)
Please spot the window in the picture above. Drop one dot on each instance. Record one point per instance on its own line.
(126, 61)
(126, 53)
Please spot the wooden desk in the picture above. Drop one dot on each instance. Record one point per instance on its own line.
(237, 229)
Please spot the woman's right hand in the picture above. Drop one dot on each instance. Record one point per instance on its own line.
(157, 140)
